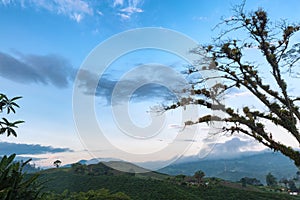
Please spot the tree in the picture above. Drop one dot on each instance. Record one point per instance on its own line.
(235, 71)
(79, 168)
(284, 181)
(297, 175)
(292, 186)
(9, 105)
(57, 163)
(180, 177)
(271, 180)
(250, 181)
(199, 175)
(13, 184)
(244, 182)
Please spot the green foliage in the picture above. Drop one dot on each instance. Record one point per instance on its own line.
(57, 163)
(292, 186)
(199, 175)
(250, 181)
(180, 178)
(147, 188)
(9, 105)
(101, 194)
(79, 168)
(13, 184)
(284, 181)
(93, 169)
(271, 180)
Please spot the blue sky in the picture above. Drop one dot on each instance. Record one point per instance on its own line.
(43, 44)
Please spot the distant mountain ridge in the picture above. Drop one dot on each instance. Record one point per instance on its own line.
(254, 165)
(93, 161)
(233, 169)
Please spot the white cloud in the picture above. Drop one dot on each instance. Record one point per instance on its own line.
(67, 6)
(235, 92)
(132, 6)
(124, 16)
(74, 9)
(6, 2)
(118, 2)
(77, 17)
(77, 10)
(100, 13)
(131, 10)
(240, 94)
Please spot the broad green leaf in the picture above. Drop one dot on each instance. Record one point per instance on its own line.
(15, 98)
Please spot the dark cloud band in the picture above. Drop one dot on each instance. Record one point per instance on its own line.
(150, 90)
(45, 69)
(7, 148)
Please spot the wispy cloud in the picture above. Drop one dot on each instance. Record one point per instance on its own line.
(100, 13)
(6, 2)
(77, 10)
(74, 9)
(124, 16)
(45, 69)
(128, 8)
(32, 149)
(118, 2)
(131, 9)
(77, 17)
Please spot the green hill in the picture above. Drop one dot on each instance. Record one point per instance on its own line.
(152, 185)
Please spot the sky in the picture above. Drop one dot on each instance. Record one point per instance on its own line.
(44, 44)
